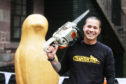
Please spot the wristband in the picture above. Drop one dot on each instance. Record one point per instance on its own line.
(51, 59)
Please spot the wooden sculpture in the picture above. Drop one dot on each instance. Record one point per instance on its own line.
(31, 64)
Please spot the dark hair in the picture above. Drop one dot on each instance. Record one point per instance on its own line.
(94, 17)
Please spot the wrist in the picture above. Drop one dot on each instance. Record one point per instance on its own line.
(51, 59)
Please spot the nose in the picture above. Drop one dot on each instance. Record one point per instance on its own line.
(91, 29)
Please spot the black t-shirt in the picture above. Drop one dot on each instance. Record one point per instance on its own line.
(88, 64)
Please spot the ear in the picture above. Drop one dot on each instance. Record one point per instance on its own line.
(83, 27)
(99, 30)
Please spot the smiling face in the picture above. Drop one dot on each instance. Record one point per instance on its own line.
(91, 30)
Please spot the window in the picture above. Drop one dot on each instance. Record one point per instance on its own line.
(19, 11)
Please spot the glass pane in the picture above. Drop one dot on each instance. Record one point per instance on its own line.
(24, 1)
(18, 9)
(17, 1)
(16, 32)
(16, 21)
(24, 10)
(22, 19)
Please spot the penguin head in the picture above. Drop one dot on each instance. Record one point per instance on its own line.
(35, 25)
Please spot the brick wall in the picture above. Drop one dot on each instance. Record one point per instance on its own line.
(7, 48)
(4, 24)
(5, 19)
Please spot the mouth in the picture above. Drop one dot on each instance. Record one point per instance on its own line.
(90, 34)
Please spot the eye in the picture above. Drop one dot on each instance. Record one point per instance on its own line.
(89, 26)
(95, 27)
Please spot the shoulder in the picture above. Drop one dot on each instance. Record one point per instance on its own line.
(74, 44)
(104, 47)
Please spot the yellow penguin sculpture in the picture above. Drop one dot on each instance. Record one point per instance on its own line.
(31, 64)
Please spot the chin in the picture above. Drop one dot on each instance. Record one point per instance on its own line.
(91, 39)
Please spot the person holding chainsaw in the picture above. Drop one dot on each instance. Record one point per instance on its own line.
(88, 60)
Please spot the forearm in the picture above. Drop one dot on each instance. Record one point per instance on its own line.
(51, 57)
(111, 79)
(56, 65)
(110, 68)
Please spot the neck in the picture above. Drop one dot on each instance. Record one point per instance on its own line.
(90, 42)
(32, 38)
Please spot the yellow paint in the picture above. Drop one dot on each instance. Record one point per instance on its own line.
(31, 64)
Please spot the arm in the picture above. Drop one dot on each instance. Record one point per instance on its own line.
(52, 51)
(110, 68)
(56, 65)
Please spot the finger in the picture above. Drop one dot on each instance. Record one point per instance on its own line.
(55, 46)
(50, 48)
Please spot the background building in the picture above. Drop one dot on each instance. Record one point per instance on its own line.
(111, 12)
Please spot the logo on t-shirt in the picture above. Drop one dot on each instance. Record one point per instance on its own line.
(90, 59)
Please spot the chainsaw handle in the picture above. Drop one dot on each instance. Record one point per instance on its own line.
(48, 43)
